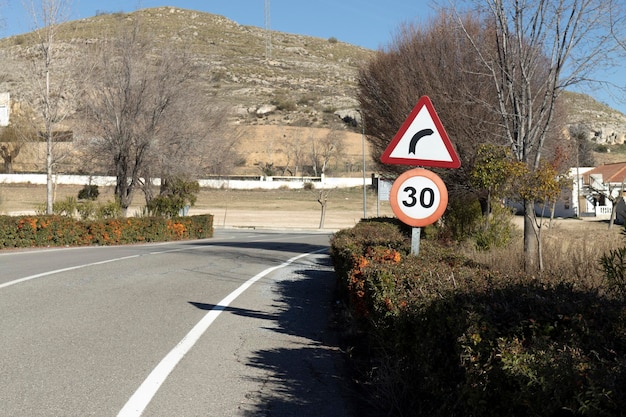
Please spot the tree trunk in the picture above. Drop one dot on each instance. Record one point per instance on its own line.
(531, 246)
(322, 215)
(124, 193)
(8, 166)
(323, 200)
(552, 211)
(49, 179)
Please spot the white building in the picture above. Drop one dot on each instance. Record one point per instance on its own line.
(592, 192)
(5, 108)
(573, 201)
(601, 186)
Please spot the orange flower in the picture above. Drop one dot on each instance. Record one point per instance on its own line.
(178, 229)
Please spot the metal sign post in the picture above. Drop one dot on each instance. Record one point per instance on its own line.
(415, 241)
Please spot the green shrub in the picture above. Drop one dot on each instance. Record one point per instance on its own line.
(176, 193)
(284, 104)
(464, 220)
(65, 207)
(89, 192)
(165, 206)
(601, 148)
(614, 266)
(447, 337)
(497, 231)
(110, 210)
(86, 209)
(463, 217)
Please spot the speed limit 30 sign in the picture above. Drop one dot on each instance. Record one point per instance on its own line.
(418, 197)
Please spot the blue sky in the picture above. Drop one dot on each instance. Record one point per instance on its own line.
(367, 23)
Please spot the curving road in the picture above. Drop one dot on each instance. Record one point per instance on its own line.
(236, 325)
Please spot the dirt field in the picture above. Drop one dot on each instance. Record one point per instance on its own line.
(255, 208)
(280, 209)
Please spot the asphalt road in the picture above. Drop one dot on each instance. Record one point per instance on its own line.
(236, 325)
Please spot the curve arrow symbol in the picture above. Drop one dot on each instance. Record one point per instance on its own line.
(416, 137)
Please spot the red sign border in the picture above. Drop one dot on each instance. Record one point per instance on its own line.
(424, 101)
(412, 221)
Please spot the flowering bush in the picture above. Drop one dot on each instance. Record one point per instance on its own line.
(449, 337)
(35, 231)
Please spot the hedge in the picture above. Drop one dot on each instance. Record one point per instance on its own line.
(442, 336)
(38, 231)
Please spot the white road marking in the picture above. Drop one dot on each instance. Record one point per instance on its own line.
(58, 271)
(146, 391)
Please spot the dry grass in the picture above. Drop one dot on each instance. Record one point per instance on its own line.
(571, 251)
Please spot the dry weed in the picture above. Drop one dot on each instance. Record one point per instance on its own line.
(571, 252)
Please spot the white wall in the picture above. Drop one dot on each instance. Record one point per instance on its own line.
(5, 108)
(262, 183)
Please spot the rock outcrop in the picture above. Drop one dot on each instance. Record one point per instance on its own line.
(606, 126)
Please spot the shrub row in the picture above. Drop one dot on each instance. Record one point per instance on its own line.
(447, 337)
(36, 231)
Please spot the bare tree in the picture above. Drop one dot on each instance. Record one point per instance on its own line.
(296, 148)
(138, 110)
(539, 48)
(323, 150)
(51, 81)
(583, 148)
(216, 142)
(195, 140)
(434, 59)
(322, 198)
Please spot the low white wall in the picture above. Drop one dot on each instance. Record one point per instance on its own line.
(40, 179)
(262, 183)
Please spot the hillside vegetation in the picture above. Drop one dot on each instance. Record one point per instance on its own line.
(308, 76)
(302, 82)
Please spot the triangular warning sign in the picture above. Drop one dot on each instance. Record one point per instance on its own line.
(422, 140)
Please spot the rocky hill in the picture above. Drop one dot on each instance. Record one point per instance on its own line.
(607, 126)
(285, 80)
(294, 81)
(306, 78)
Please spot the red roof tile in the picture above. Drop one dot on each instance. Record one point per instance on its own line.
(611, 173)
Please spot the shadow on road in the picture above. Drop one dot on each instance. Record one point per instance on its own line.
(278, 246)
(238, 311)
(310, 379)
(306, 375)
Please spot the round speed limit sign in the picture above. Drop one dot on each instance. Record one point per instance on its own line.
(418, 197)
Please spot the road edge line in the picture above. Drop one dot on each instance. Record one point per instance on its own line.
(140, 399)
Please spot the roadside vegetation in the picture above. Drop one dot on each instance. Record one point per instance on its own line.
(488, 320)
(85, 221)
(460, 332)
